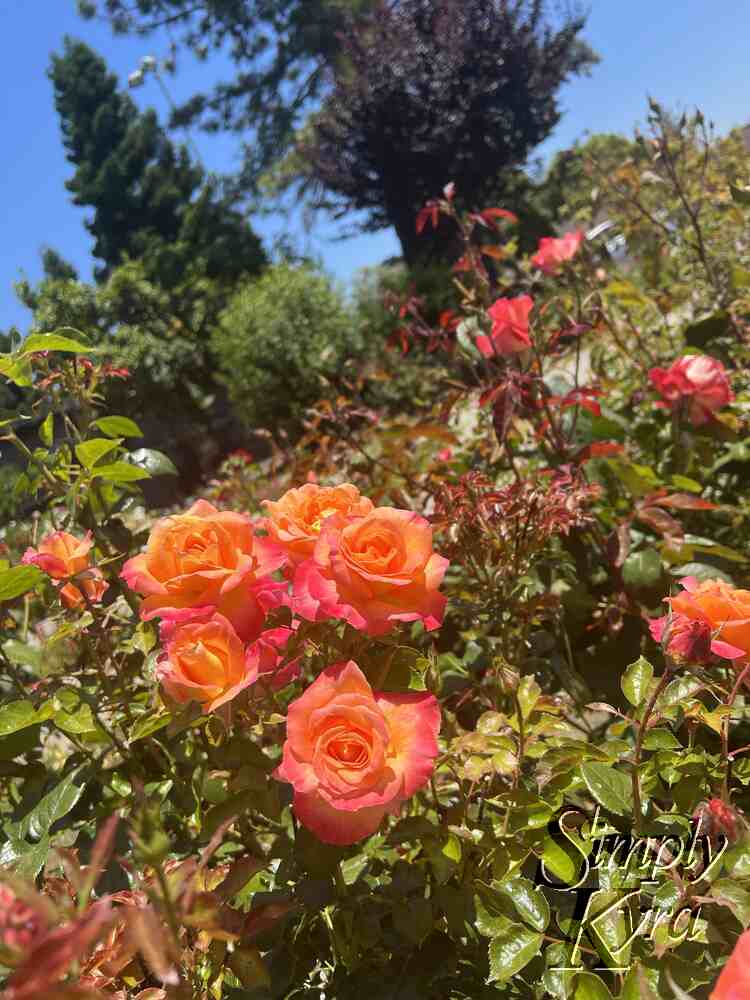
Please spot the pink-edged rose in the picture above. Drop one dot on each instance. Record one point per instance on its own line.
(353, 755)
(61, 555)
(373, 572)
(734, 981)
(510, 327)
(295, 519)
(697, 382)
(553, 252)
(206, 661)
(207, 559)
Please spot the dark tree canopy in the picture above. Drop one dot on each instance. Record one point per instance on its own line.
(284, 50)
(150, 201)
(435, 91)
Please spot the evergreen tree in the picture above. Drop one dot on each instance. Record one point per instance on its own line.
(285, 51)
(150, 201)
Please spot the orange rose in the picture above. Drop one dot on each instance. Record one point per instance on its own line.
(204, 662)
(207, 560)
(725, 608)
(295, 520)
(207, 662)
(61, 555)
(373, 572)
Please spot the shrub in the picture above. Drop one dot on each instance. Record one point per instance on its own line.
(281, 341)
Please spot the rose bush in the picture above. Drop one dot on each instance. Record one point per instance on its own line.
(397, 711)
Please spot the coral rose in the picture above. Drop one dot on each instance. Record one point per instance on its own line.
(354, 755)
(724, 608)
(206, 559)
(207, 662)
(373, 572)
(553, 252)
(734, 981)
(510, 327)
(294, 521)
(61, 555)
(696, 382)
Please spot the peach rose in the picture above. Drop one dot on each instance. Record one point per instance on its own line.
(373, 572)
(294, 521)
(510, 327)
(206, 559)
(61, 555)
(553, 252)
(207, 662)
(353, 755)
(695, 381)
(734, 981)
(724, 608)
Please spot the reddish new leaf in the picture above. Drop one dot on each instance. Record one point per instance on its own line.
(683, 501)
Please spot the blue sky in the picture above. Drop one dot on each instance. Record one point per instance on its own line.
(684, 54)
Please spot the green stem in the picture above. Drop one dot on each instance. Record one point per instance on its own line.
(726, 759)
(635, 775)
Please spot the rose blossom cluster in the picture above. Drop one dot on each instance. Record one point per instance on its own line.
(697, 383)
(352, 754)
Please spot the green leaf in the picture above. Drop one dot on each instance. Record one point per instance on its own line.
(47, 430)
(640, 984)
(611, 788)
(72, 714)
(642, 569)
(737, 452)
(661, 739)
(25, 859)
(120, 472)
(729, 893)
(20, 714)
(701, 571)
(699, 333)
(677, 692)
(636, 681)
(147, 725)
(530, 902)
(413, 919)
(89, 452)
(528, 695)
(18, 580)
(16, 370)
(511, 951)
(590, 987)
(156, 463)
(740, 195)
(118, 427)
(56, 803)
(684, 483)
(56, 342)
(559, 861)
